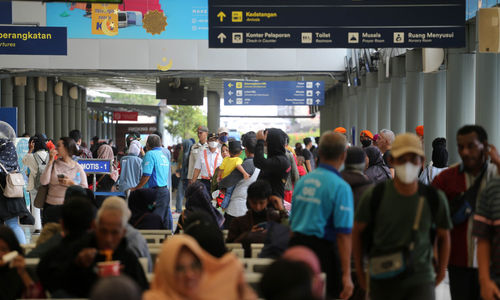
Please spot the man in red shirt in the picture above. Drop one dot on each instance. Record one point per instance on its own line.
(471, 174)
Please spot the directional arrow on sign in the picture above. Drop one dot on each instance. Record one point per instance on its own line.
(230, 93)
(318, 101)
(318, 84)
(221, 15)
(317, 93)
(221, 37)
(230, 85)
(230, 101)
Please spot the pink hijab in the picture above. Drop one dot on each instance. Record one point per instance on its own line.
(307, 256)
(106, 152)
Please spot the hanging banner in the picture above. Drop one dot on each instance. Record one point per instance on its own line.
(33, 40)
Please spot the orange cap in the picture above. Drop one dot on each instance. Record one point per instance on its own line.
(367, 133)
(420, 130)
(340, 130)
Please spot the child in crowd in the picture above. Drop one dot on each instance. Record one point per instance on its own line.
(300, 165)
(224, 151)
(228, 165)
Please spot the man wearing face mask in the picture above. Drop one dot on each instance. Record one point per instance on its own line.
(366, 138)
(223, 136)
(462, 184)
(392, 226)
(196, 149)
(207, 162)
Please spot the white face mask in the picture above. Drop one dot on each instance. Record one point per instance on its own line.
(407, 173)
(213, 144)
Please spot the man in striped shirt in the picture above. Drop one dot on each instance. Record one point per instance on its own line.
(487, 230)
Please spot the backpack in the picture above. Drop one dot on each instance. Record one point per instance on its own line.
(429, 193)
(41, 168)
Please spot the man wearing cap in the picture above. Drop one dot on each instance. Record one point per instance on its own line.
(223, 133)
(196, 149)
(308, 157)
(392, 226)
(209, 159)
(366, 138)
(356, 163)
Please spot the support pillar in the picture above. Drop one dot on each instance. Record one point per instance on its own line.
(346, 116)
(41, 89)
(110, 126)
(488, 95)
(362, 115)
(384, 98)
(213, 111)
(49, 108)
(7, 92)
(99, 125)
(57, 111)
(434, 109)
(398, 95)
(65, 110)
(84, 116)
(327, 112)
(30, 106)
(460, 97)
(353, 105)
(93, 124)
(72, 107)
(78, 111)
(414, 90)
(372, 101)
(20, 103)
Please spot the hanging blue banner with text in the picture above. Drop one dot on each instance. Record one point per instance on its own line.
(33, 40)
(274, 92)
(5, 12)
(336, 24)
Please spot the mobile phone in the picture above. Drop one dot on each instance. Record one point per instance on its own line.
(262, 225)
(60, 176)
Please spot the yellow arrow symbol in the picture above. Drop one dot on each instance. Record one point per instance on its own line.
(221, 15)
(230, 85)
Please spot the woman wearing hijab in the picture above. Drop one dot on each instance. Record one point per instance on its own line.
(377, 170)
(198, 199)
(11, 209)
(131, 169)
(185, 271)
(439, 161)
(105, 182)
(182, 169)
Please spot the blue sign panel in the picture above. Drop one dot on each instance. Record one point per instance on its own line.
(9, 115)
(91, 166)
(336, 24)
(274, 93)
(6, 12)
(33, 40)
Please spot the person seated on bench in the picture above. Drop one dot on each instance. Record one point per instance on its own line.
(202, 228)
(186, 271)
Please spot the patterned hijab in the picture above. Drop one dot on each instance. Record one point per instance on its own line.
(106, 152)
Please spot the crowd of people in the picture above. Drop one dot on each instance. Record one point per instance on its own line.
(380, 220)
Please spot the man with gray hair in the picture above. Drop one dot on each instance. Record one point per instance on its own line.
(106, 243)
(384, 142)
(155, 173)
(322, 215)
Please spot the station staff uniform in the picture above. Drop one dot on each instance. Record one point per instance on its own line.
(208, 162)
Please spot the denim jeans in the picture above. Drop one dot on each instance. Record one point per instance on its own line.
(162, 207)
(18, 230)
(179, 197)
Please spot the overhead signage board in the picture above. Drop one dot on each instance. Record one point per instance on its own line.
(95, 166)
(33, 40)
(336, 24)
(125, 115)
(274, 92)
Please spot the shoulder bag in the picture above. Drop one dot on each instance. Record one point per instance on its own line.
(14, 184)
(43, 191)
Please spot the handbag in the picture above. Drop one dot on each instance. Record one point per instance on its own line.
(14, 184)
(464, 205)
(41, 195)
(399, 261)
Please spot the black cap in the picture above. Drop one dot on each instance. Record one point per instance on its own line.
(355, 155)
(213, 135)
(234, 147)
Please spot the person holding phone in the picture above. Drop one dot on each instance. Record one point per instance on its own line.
(59, 175)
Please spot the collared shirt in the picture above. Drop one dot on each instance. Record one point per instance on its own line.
(156, 165)
(322, 204)
(193, 156)
(213, 161)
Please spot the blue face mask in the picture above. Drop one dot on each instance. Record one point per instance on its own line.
(223, 138)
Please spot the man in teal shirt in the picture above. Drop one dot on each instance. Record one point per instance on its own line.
(155, 170)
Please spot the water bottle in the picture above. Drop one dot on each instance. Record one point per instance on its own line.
(77, 179)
